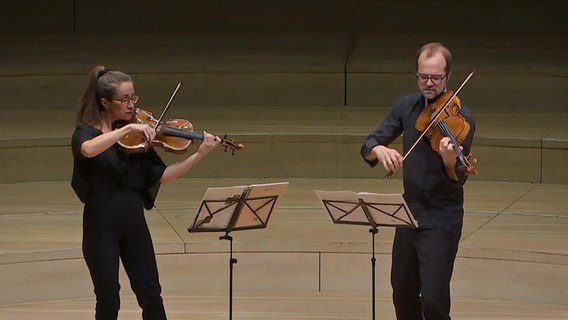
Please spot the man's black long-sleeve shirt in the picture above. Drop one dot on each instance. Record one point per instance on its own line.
(432, 197)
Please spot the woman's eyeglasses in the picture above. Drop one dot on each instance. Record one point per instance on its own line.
(125, 100)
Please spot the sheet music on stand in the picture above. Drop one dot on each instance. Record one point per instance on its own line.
(237, 208)
(364, 208)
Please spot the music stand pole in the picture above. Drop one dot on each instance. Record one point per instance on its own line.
(373, 232)
(232, 261)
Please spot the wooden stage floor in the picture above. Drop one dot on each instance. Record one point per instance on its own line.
(293, 306)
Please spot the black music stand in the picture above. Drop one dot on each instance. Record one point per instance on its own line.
(374, 209)
(236, 208)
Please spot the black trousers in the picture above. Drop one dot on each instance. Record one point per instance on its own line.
(132, 244)
(422, 267)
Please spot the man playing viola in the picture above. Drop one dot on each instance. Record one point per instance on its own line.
(423, 258)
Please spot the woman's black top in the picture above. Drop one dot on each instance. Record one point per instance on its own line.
(114, 186)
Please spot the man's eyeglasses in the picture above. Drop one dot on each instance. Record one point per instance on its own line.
(125, 100)
(435, 78)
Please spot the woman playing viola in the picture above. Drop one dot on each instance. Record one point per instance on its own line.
(115, 188)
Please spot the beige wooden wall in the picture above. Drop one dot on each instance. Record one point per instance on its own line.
(260, 54)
